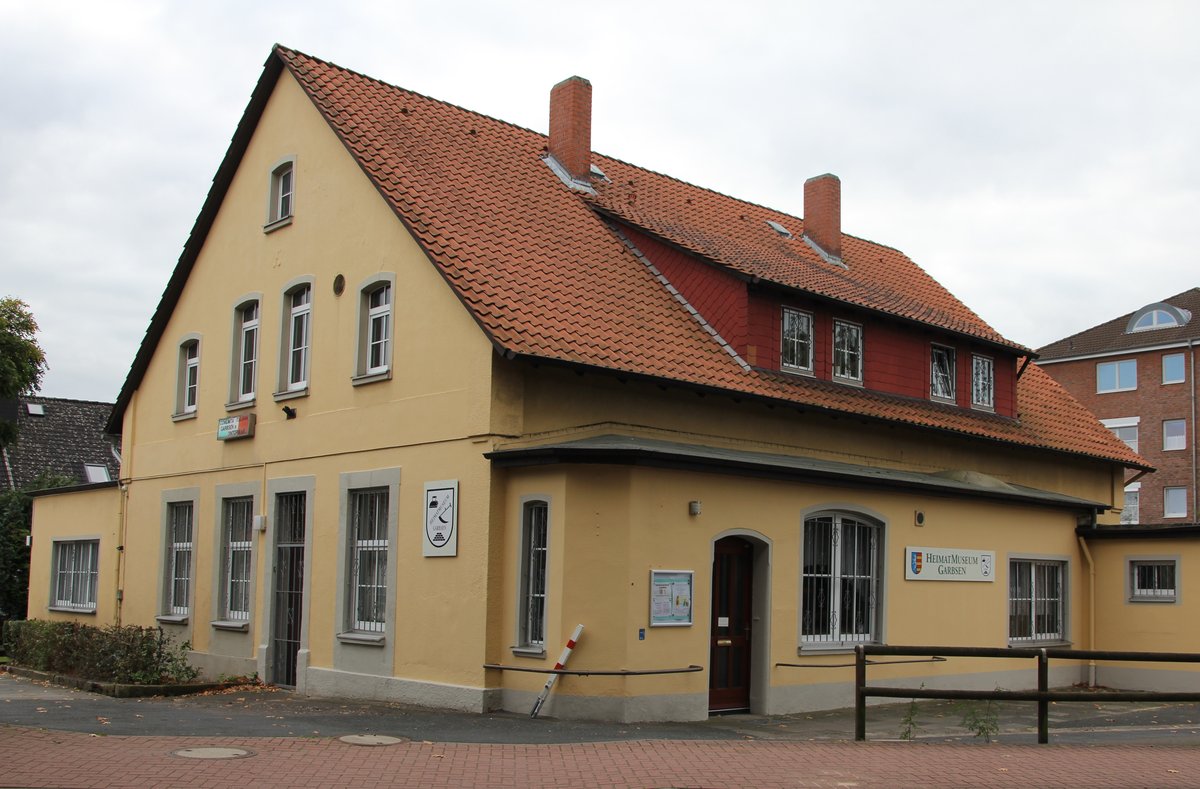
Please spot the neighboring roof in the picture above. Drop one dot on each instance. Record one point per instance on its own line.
(629, 450)
(1172, 531)
(61, 439)
(544, 274)
(1113, 337)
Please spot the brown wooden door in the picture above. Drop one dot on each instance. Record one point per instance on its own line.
(732, 609)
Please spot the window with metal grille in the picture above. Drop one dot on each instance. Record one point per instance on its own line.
(1152, 581)
(237, 531)
(534, 533)
(179, 557)
(941, 372)
(796, 341)
(368, 513)
(982, 381)
(1036, 604)
(847, 351)
(75, 572)
(841, 581)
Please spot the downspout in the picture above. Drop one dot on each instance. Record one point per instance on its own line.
(1192, 378)
(1087, 555)
(122, 530)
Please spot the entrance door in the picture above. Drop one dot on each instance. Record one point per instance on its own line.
(289, 587)
(732, 609)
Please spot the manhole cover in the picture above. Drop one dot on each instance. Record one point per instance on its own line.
(213, 753)
(371, 739)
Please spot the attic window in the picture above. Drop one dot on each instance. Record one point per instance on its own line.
(780, 229)
(96, 472)
(1157, 316)
(35, 409)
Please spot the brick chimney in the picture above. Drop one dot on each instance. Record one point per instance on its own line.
(823, 213)
(571, 126)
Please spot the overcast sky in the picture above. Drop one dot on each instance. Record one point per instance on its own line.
(1041, 159)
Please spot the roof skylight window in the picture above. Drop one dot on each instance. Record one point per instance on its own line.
(1157, 316)
(35, 409)
(780, 229)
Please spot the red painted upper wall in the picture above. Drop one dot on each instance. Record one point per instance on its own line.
(896, 356)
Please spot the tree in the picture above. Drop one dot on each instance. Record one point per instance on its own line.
(22, 361)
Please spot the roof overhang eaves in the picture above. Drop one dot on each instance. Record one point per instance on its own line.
(739, 394)
(1138, 532)
(272, 68)
(627, 450)
(34, 494)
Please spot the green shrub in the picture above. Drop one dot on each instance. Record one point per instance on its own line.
(130, 654)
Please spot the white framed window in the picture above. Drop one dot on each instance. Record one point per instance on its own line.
(368, 529)
(847, 351)
(179, 558)
(1125, 428)
(1036, 600)
(298, 324)
(246, 352)
(1174, 434)
(237, 529)
(375, 329)
(1116, 376)
(96, 472)
(1129, 509)
(75, 571)
(796, 343)
(983, 386)
(1175, 502)
(941, 372)
(1174, 370)
(1154, 319)
(281, 203)
(841, 581)
(1153, 580)
(535, 531)
(187, 390)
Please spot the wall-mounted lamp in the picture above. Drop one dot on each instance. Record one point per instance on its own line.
(694, 507)
(291, 412)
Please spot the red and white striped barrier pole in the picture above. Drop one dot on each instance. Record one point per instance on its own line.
(562, 662)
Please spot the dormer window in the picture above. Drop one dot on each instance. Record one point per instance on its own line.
(941, 373)
(847, 351)
(982, 381)
(796, 341)
(1157, 316)
(282, 196)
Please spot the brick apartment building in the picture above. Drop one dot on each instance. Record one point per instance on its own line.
(1137, 373)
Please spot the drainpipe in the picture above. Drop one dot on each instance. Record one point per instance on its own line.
(122, 530)
(1192, 378)
(1087, 555)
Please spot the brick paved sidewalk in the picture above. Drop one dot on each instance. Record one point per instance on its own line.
(36, 758)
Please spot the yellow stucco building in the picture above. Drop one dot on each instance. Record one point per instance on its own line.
(427, 390)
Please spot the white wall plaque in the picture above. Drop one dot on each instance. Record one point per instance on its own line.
(949, 564)
(440, 519)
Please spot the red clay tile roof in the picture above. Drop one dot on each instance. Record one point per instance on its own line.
(542, 271)
(1110, 336)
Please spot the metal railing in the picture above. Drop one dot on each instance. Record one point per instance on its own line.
(1043, 695)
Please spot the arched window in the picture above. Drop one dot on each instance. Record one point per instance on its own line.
(1157, 316)
(841, 580)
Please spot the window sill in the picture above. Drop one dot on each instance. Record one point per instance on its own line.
(1053, 642)
(783, 368)
(362, 639)
(172, 619)
(529, 652)
(70, 609)
(232, 625)
(829, 649)
(943, 400)
(987, 409)
(1159, 600)
(290, 395)
(370, 378)
(848, 382)
(240, 405)
(183, 417)
(271, 227)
